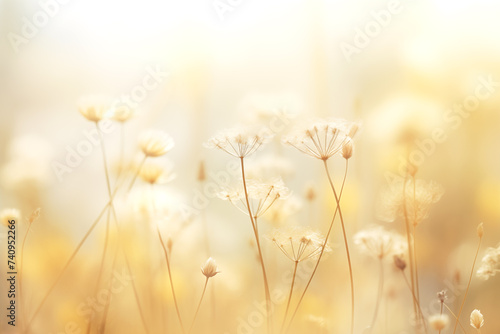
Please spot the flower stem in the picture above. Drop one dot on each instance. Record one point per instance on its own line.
(453, 314)
(261, 258)
(167, 259)
(337, 199)
(137, 173)
(199, 304)
(379, 294)
(468, 284)
(413, 296)
(320, 254)
(296, 263)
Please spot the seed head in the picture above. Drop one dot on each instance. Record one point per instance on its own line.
(439, 322)
(94, 108)
(480, 230)
(8, 215)
(347, 150)
(476, 319)
(210, 269)
(399, 262)
(490, 263)
(379, 243)
(441, 296)
(239, 142)
(155, 143)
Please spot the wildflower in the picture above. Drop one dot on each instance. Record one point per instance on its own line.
(419, 195)
(490, 264)
(439, 322)
(476, 319)
(153, 173)
(323, 139)
(441, 296)
(380, 243)
(399, 262)
(347, 150)
(9, 215)
(155, 143)
(262, 195)
(210, 269)
(94, 108)
(299, 244)
(239, 142)
(122, 113)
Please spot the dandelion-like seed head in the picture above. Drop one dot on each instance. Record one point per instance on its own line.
(380, 243)
(439, 322)
(8, 215)
(299, 244)
(155, 143)
(209, 269)
(490, 263)
(94, 108)
(476, 319)
(418, 194)
(323, 139)
(239, 142)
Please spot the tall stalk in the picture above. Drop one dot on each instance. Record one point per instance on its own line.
(261, 258)
(295, 265)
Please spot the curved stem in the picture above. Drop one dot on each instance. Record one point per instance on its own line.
(199, 304)
(137, 173)
(320, 253)
(453, 314)
(296, 263)
(413, 296)
(261, 258)
(468, 285)
(167, 259)
(337, 199)
(379, 294)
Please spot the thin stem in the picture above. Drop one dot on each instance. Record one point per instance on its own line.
(453, 314)
(415, 257)
(21, 263)
(137, 173)
(410, 250)
(379, 294)
(337, 199)
(261, 258)
(199, 304)
(106, 307)
(468, 284)
(413, 296)
(296, 263)
(170, 278)
(320, 253)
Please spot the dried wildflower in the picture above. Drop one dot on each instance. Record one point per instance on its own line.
(8, 215)
(480, 230)
(399, 262)
(379, 243)
(323, 139)
(310, 193)
(155, 143)
(347, 150)
(94, 108)
(439, 322)
(154, 173)
(210, 269)
(299, 244)
(122, 113)
(239, 142)
(261, 195)
(441, 296)
(201, 172)
(419, 195)
(476, 319)
(490, 264)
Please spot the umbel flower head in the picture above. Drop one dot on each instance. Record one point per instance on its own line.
(299, 244)
(8, 215)
(323, 139)
(239, 142)
(262, 195)
(476, 319)
(490, 264)
(380, 243)
(418, 195)
(439, 322)
(209, 269)
(155, 143)
(94, 108)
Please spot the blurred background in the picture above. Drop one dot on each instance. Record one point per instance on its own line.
(419, 74)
